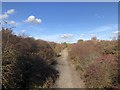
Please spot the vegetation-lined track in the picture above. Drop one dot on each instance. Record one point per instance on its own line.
(28, 63)
(68, 78)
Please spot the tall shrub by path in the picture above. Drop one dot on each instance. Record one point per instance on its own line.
(103, 73)
(26, 62)
(97, 62)
(82, 54)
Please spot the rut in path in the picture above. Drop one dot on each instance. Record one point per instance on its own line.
(68, 78)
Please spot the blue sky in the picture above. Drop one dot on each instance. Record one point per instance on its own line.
(63, 22)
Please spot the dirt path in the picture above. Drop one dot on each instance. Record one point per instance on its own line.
(69, 78)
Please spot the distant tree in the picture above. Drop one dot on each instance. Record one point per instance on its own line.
(65, 44)
(94, 38)
(80, 41)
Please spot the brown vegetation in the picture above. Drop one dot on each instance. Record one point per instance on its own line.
(26, 62)
(97, 62)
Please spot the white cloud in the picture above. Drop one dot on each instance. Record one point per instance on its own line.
(6, 14)
(66, 36)
(33, 19)
(11, 11)
(59, 38)
(116, 35)
(116, 32)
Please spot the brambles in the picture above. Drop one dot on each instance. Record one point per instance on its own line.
(96, 62)
(26, 62)
(102, 73)
(58, 47)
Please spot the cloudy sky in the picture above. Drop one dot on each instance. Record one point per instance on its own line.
(62, 22)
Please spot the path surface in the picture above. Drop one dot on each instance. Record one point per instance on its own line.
(68, 78)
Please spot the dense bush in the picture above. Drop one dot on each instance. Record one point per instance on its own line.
(82, 54)
(97, 62)
(26, 62)
(58, 47)
(102, 73)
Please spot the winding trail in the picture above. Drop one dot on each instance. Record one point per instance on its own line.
(69, 78)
